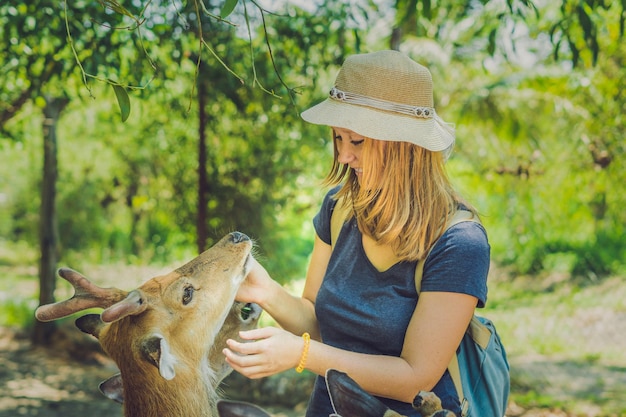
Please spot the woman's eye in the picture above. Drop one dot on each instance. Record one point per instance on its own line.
(357, 142)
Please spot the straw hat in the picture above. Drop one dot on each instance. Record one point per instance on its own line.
(387, 96)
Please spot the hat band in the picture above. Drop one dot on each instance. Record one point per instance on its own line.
(353, 98)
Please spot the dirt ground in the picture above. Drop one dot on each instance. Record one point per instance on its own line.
(63, 380)
(42, 382)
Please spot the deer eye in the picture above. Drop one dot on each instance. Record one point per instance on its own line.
(188, 295)
(246, 311)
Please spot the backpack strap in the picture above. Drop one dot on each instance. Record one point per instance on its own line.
(458, 217)
(475, 325)
(337, 218)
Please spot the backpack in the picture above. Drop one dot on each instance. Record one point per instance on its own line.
(480, 369)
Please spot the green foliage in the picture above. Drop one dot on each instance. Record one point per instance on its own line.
(129, 191)
(536, 151)
(580, 29)
(227, 8)
(122, 100)
(17, 312)
(575, 29)
(17, 299)
(531, 153)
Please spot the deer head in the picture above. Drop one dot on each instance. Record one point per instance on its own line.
(242, 316)
(160, 334)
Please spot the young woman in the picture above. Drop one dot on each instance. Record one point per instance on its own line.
(360, 306)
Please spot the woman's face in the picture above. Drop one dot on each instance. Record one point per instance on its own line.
(350, 147)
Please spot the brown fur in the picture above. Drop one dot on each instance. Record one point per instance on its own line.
(160, 335)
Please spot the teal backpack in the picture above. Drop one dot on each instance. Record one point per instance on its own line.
(480, 369)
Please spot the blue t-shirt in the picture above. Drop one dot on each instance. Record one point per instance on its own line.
(363, 310)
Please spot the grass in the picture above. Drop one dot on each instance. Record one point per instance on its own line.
(18, 284)
(565, 340)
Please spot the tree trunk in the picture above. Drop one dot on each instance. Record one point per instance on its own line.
(48, 233)
(396, 38)
(201, 217)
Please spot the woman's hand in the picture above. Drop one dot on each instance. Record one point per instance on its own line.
(270, 350)
(257, 286)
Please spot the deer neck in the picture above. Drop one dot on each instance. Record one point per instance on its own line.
(189, 394)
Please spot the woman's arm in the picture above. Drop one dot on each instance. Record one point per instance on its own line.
(433, 335)
(295, 314)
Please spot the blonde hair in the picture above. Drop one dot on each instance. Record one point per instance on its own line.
(405, 197)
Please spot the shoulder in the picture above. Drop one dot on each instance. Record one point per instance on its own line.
(470, 235)
(459, 261)
(463, 242)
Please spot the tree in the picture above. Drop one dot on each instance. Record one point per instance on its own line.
(150, 45)
(571, 29)
(542, 137)
(127, 48)
(48, 234)
(37, 65)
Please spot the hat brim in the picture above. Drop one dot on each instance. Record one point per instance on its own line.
(379, 124)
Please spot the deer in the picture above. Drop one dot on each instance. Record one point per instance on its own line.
(242, 316)
(160, 335)
(348, 399)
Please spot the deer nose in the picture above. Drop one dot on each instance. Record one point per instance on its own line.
(238, 237)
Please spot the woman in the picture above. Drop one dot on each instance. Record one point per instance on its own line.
(359, 305)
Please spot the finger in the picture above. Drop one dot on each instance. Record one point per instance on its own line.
(255, 372)
(256, 334)
(246, 348)
(246, 365)
(240, 361)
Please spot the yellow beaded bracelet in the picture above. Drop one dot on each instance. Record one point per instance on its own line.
(305, 352)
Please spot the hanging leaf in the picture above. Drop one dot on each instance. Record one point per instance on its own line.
(116, 7)
(426, 9)
(123, 100)
(228, 8)
(491, 46)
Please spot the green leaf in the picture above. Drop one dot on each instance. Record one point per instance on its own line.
(491, 46)
(116, 7)
(228, 8)
(123, 100)
(426, 9)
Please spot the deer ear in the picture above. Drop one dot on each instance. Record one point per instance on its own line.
(91, 324)
(156, 350)
(227, 408)
(113, 388)
(133, 304)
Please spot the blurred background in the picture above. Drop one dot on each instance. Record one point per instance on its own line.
(135, 134)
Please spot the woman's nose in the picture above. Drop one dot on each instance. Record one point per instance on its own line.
(345, 156)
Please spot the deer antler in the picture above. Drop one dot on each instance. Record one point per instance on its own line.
(86, 295)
